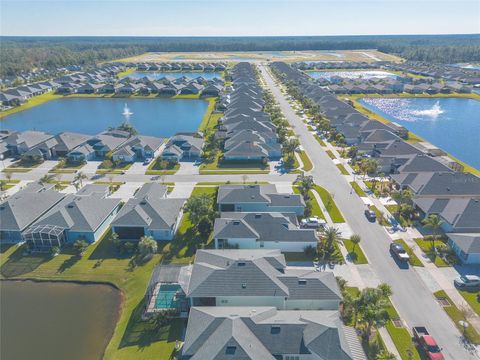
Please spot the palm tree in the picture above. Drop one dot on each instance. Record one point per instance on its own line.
(291, 145)
(353, 302)
(433, 222)
(374, 307)
(46, 179)
(355, 239)
(147, 246)
(306, 184)
(79, 177)
(331, 235)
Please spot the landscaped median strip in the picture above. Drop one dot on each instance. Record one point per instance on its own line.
(355, 252)
(358, 189)
(307, 164)
(320, 141)
(331, 154)
(426, 247)
(457, 315)
(401, 336)
(414, 260)
(342, 169)
(329, 204)
(316, 210)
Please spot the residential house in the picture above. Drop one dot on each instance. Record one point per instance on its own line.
(138, 147)
(149, 213)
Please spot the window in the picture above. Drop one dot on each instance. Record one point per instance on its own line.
(302, 282)
(231, 350)
(275, 330)
(244, 285)
(241, 264)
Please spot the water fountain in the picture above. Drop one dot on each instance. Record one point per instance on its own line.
(126, 112)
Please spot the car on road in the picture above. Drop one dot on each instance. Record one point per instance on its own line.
(147, 161)
(370, 215)
(467, 281)
(312, 223)
(399, 251)
(427, 343)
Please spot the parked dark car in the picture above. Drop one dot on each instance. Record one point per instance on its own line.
(399, 251)
(370, 215)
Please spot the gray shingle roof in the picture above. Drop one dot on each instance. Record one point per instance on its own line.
(261, 226)
(469, 243)
(150, 209)
(261, 332)
(23, 208)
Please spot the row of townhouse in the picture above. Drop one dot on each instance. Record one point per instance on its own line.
(442, 71)
(76, 147)
(42, 217)
(249, 304)
(179, 66)
(326, 65)
(165, 86)
(438, 185)
(18, 95)
(247, 132)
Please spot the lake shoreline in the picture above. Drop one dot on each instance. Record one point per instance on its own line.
(413, 136)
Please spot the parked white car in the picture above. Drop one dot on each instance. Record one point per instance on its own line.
(313, 222)
(467, 281)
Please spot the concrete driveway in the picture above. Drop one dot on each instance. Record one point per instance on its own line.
(188, 168)
(126, 191)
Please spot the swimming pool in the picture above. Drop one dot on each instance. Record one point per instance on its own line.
(166, 298)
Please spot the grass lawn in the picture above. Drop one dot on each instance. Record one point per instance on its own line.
(316, 210)
(114, 185)
(401, 337)
(209, 120)
(331, 154)
(128, 71)
(231, 167)
(456, 315)
(230, 182)
(342, 169)
(320, 141)
(183, 247)
(471, 298)
(426, 246)
(307, 164)
(357, 256)
(329, 204)
(414, 260)
(155, 168)
(358, 189)
(34, 101)
(116, 169)
(66, 168)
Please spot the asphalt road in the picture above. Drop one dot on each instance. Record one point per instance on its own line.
(411, 297)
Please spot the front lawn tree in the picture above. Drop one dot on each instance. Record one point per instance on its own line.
(80, 245)
(355, 239)
(305, 183)
(435, 223)
(199, 207)
(147, 246)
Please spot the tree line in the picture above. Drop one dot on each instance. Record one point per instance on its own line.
(22, 54)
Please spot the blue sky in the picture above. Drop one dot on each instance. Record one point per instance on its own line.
(234, 17)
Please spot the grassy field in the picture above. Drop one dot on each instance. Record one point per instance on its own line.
(342, 169)
(357, 256)
(209, 120)
(329, 204)
(237, 167)
(307, 164)
(37, 100)
(358, 189)
(132, 338)
(414, 260)
(380, 217)
(456, 315)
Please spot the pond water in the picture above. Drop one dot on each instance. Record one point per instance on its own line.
(50, 321)
(159, 74)
(452, 124)
(364, 74)
(156, 117)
